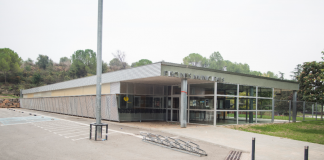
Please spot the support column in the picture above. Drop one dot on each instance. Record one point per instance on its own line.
(294, 105)
(273, 103)
(215, 102)
(251, 105)
(183, 104)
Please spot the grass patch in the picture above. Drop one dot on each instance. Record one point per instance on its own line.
(309, 131)
(276, 117)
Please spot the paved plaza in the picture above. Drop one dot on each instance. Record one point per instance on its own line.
(56, 136)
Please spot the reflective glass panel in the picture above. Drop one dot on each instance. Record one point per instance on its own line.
(264, 104)
(264, 117)
(247, 91)
(226, 117)
(175, 115)
(175, 103)
(202, 89)
(176, 90)
(169, 102)
(205, 102)
(226, 103)
(247, 103)
(144, 89)
(226, 89)
(246, 117)
(158, 90)
(264, 92)
(202, 117)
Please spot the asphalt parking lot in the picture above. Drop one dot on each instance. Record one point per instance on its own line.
(56, 136)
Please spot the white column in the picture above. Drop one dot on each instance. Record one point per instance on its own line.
(183, 104)
(215, 102)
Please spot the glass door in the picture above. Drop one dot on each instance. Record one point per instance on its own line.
(176, 109)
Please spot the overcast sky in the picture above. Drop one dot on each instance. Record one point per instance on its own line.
(267, 35)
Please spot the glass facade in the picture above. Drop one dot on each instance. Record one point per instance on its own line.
(205, 102)
(232, 104)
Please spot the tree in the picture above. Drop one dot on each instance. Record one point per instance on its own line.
(42, 61)
(121, 57)
(311, 83)
(281, 75)
(104, 67)
(78, 69)
(10, 62)
(216, 61)
(36, 78)
(84, 62)
(141, 62)
(296, 72)
(4, 67)
(193, 59)
(115, 65)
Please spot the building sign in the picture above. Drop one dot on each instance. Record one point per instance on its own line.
(192, 76)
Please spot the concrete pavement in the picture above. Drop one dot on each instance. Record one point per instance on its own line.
(267, 147)
(25, 136)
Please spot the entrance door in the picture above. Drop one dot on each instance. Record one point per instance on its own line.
(176, 109)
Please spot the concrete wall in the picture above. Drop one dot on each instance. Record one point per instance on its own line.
(86, 90)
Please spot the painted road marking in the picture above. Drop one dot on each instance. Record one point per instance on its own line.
(23, 120)
(58, 122)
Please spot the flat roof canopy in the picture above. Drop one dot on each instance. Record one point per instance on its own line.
(156, 74)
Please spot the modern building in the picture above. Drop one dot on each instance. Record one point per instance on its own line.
(165, 92)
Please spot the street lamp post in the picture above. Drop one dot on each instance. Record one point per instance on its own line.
(99, 69)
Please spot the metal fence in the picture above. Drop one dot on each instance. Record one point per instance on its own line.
(305, 111)
(84, 106)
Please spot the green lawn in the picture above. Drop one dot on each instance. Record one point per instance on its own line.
(278, 117)
(309, 131)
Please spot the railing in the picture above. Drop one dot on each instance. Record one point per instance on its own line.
(305, 111)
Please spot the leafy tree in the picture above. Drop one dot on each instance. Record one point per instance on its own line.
(216, 61)
(36, 78)
(64, 59)
(104, 67)
(271, 75)
(193, 59)
(78, 69)
(10, 62)
(256, 73)
(83, 62)
(4, 67)
(310, 82)
(141, 62)
(42, 61)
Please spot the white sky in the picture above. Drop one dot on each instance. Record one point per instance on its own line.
(267, 35)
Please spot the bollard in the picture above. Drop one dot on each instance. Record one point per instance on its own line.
(253, 149)
(306, 153)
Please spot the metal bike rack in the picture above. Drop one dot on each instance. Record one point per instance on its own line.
(174, 144)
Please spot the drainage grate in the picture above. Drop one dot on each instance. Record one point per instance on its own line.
(234, 155)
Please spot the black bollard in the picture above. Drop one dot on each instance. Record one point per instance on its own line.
(306, 153)
(253, 148)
